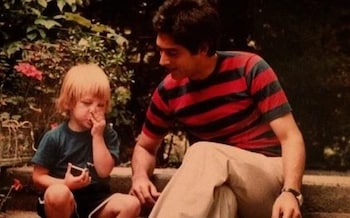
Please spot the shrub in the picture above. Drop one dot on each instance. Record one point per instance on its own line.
(41, 40)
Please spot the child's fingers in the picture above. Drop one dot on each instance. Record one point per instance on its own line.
(69, 167)
(97, 115)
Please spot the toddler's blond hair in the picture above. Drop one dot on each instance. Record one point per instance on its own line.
(80, 80)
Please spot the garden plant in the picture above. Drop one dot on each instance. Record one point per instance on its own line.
(306, 42)
(40, 41)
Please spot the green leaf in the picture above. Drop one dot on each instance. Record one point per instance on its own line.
(31, 28)
(12, 48)
(78, 19)
(74, 8)
(36, 11)
(60, 16)
(99, 28)
(61, 4)
(42, 33)
(80, 2)
(32, 36)
(7, 5)
(48, 24)
(118, 38)
(43, 3)
(15, 100)
(70, 2)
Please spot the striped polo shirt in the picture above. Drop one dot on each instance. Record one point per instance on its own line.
(232, 106)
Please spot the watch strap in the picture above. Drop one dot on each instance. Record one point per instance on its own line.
(296, 194)
(293, 191)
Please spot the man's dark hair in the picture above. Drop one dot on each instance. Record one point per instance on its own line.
(191, 23)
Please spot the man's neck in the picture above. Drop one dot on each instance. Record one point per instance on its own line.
(207, 67)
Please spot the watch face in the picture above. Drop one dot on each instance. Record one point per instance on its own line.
(300, 199)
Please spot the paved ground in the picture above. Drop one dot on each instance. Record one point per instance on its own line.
(20, 214)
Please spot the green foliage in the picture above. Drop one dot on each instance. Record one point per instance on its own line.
(337, 155)
(31, 17)
(41, 40)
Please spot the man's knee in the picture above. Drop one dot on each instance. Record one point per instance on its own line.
(199, 148)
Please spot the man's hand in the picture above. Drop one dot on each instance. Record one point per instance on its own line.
(286, 206)
(144, 190)
(79, 181)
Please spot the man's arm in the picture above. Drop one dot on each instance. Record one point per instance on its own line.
(143, 163)
(293, 161)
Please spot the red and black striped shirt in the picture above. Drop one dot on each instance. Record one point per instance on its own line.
(232, 106)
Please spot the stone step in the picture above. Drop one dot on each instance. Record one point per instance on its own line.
(23, 214)
(326, 194)
(326, 215)
(32, 214)
(19, 214)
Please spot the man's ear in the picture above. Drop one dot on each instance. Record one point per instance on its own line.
(203, 49)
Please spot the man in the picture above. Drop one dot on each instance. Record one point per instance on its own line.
(247, 155)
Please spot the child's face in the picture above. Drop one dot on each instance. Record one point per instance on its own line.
(82, 112)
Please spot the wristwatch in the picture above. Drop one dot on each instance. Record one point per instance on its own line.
(297, 194)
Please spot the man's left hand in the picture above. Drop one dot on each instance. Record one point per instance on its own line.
(286, 206)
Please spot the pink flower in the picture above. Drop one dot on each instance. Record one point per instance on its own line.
(29, 70)
(17, 185)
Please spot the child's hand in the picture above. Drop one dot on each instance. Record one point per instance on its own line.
(80, 180)
(98, 123)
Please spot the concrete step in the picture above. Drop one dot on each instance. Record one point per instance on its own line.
(22, 214)
(326, 215)
(32, 214)
(326, 194)
(19, 214)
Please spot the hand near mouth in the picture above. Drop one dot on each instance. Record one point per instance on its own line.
(98, 123)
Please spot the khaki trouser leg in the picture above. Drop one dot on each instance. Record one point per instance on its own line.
(225, 204)
(255, 181)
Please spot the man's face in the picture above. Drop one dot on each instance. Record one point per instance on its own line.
(177, 60)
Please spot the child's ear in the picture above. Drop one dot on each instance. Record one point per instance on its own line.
(69, 105)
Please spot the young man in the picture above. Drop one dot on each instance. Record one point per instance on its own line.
(247, 155)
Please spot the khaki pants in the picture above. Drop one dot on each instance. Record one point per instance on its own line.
(220, 181)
